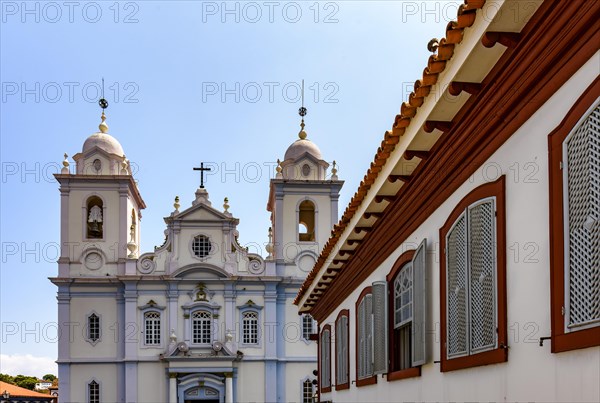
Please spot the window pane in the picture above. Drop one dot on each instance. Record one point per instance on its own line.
(250, 328)
(307, 326)
(307, 391)
(201, 327)
(403, 296)
(94, 392)
(94, 327)
(152, 328)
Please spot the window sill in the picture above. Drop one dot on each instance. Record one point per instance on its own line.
(366, 381)
(496, 356)
(326, 390)
(404, 374)
(342, 386)
(576, 340)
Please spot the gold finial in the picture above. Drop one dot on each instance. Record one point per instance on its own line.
(302, 133)
(176, 204)
(103, 126)
(226, 205)
(65, 168)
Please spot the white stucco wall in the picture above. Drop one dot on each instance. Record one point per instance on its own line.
(531, 372)
(250, 375)
(104, 374)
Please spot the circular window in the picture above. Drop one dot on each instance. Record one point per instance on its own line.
(305, 169)
(93, 261)
(201, 246)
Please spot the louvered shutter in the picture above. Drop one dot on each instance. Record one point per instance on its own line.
(342, 350)
(482, 284)
(369, 334)
(362, 330)
(419, 272)
(456, 288)
(581, 156)
(325, 360)
(380, 328)
(345, 341)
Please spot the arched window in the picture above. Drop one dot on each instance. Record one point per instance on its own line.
(95, 218)
(93, 390)
(575, 225)
(342, 356)
(307, 391)
(201, 327)
(473, 280)
(250, 327)
(325, 359)
(364, 339)
(306, 221)
(307, 326)
(152, 328)
(93, 328)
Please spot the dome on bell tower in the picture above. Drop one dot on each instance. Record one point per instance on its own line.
(103, 140)
(300, 147)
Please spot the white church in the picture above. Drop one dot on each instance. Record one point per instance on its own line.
(200, 318)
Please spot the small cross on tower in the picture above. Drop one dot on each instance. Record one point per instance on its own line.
(202, 169)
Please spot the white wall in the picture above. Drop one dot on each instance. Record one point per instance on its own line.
(532, 372)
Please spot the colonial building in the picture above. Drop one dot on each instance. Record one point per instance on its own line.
(12, 393)
(467, 265)
(200, 317)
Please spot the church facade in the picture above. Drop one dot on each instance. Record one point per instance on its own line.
(200, 318)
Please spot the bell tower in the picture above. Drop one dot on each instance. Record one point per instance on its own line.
(303, 201)
(100, 209)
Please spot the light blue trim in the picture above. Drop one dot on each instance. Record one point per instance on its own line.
(131, 377)
(64, 387)
(281, 320)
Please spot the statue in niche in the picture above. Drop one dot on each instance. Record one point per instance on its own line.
(95, 222)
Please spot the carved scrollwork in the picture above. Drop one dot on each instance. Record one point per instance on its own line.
(146, 263)
(256, 265)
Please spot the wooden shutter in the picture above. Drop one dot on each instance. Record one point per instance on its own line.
(456, 291)
(581, 154)
(369, 334)
(482, 276)
(419, 272)
(380, 327)
(325, 360)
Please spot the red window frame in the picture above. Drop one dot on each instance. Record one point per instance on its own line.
(561, 340)
(372, 379)
(500, 353)
(346, 385)
(392, 375)
(321, 388)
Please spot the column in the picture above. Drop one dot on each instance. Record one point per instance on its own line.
(173, 388)
(130, 348)
(228, 387)
(271, 339)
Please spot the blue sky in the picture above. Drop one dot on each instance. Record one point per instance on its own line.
(186, 82)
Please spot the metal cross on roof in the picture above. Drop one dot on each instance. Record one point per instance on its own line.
(202, 169)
